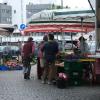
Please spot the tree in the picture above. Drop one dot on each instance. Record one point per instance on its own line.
(53, 6)
(58, 7)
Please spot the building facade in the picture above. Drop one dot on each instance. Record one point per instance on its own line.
(35, 8)
(5, 13)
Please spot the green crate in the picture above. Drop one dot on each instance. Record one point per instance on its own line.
(67, 65)
(73, 66)
(75, 82)
(75, 75)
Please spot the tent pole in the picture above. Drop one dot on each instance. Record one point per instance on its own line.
(57, 35)
(98, 24)
(71, 39)
(63, 41)
(82, 25)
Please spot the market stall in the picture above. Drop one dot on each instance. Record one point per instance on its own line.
(63, 21)
(61, 27)
(77, 64)
(8, 52)
(79, 69)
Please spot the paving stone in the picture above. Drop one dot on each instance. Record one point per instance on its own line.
(14, 87)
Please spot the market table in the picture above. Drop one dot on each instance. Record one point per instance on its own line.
(61, 64)
(96, 67)
(77, 65)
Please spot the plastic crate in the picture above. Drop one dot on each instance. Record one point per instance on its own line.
(75, 82)
(73, 65)
(75, 75)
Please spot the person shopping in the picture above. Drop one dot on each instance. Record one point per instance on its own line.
(27, 54)
(50, 50)
(40, 59)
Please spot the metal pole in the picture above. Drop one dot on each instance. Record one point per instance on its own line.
(63, 40)
(98, 23)
(57, 35)
(91, 7)
(82, 25)
(71, 39)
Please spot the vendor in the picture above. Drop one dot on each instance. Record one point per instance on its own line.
(74, 55)
(83, 46)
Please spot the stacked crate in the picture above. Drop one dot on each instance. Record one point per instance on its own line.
(74, 69)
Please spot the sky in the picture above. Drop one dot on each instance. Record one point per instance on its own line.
(70, 3)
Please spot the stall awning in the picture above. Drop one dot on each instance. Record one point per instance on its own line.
(60, 27)
(6, 29)
(3, 31)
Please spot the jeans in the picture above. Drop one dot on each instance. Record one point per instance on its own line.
(26, 67)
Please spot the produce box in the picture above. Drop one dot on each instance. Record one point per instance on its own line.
(75, 82)
(73, 65)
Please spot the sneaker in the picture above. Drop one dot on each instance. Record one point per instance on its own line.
(27, 78)
(49, 83)
(43, 82)
(54, 82)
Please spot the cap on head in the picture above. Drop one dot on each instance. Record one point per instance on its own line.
(45, 38)
(30, 39)
(51, 36)
(82, 38)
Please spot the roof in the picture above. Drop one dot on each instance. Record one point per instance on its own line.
(63, 14)
(8, 27)
(63, 20)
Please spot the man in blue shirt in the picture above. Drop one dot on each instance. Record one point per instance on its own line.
(50, 50)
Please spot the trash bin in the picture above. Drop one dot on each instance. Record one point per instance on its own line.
(61, 83)
(62, 80)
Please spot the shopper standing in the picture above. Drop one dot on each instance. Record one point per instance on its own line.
(40, 58)
(50, 50)
(27, 54)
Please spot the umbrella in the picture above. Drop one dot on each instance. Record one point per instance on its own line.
(42, 29)
(59, 27)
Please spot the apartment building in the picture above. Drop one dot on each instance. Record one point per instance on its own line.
(5, 13)
(35, 8)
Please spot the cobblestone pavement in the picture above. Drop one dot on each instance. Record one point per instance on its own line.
(14, 87)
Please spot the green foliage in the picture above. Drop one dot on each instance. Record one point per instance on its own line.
(34, 60)
(58, 7)
(53, 6)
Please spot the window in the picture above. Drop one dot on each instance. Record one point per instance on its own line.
(14, 11)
